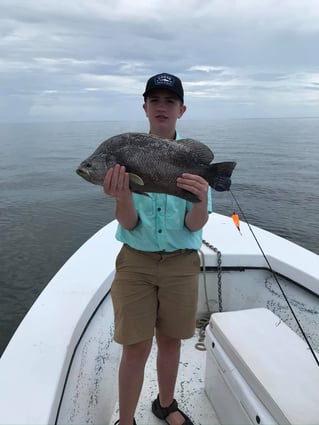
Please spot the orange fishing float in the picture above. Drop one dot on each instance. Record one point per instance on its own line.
(236, 221)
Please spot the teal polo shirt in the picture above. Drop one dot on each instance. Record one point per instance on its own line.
(161, 224)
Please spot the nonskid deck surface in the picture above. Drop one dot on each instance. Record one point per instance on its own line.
(189, 393)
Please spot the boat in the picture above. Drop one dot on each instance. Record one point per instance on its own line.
(252, 360)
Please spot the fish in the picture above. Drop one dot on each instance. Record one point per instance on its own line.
(154, 164)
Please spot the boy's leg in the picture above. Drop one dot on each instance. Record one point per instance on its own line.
(167, 367)
(131, 376)
(175, 320)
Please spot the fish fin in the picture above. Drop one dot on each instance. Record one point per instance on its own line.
(198, 149)
(136, 183)
(218, 175)
(136, 180)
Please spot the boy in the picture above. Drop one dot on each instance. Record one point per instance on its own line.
(157, 269)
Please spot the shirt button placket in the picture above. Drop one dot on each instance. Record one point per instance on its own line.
(159, 223)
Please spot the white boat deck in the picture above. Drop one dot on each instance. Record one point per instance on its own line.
(68, 348)
(189, 391)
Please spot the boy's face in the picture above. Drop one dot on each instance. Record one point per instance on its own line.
(163, 108)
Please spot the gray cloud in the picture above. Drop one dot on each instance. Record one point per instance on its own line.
(89, 60)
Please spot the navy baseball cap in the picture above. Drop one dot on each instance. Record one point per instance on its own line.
(165, 81)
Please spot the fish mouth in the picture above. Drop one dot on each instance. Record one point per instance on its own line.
(84, 173)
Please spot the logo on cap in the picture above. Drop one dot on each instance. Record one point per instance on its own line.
(164, 80)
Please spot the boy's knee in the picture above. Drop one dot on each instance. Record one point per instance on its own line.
(137, 353)
(167, 343)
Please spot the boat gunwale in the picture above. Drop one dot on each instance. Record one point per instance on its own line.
(210, 269)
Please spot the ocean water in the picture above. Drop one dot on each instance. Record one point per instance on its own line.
(47, 211)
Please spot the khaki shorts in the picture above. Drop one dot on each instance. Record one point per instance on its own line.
(155, 290)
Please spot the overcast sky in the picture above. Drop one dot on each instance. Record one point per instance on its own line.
(89, 59)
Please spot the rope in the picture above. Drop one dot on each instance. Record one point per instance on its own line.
(201, 325)
(203, 322)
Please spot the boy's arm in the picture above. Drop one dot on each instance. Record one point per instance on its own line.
(116, 184)
(197, 217)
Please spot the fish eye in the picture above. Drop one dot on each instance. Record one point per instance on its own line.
(88, 165)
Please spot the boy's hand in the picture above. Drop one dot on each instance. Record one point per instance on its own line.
(194, 184)
(117, 182)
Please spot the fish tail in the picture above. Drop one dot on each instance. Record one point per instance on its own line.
(218, 175)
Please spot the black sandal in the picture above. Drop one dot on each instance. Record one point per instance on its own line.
(162, 412)
(118, 421)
